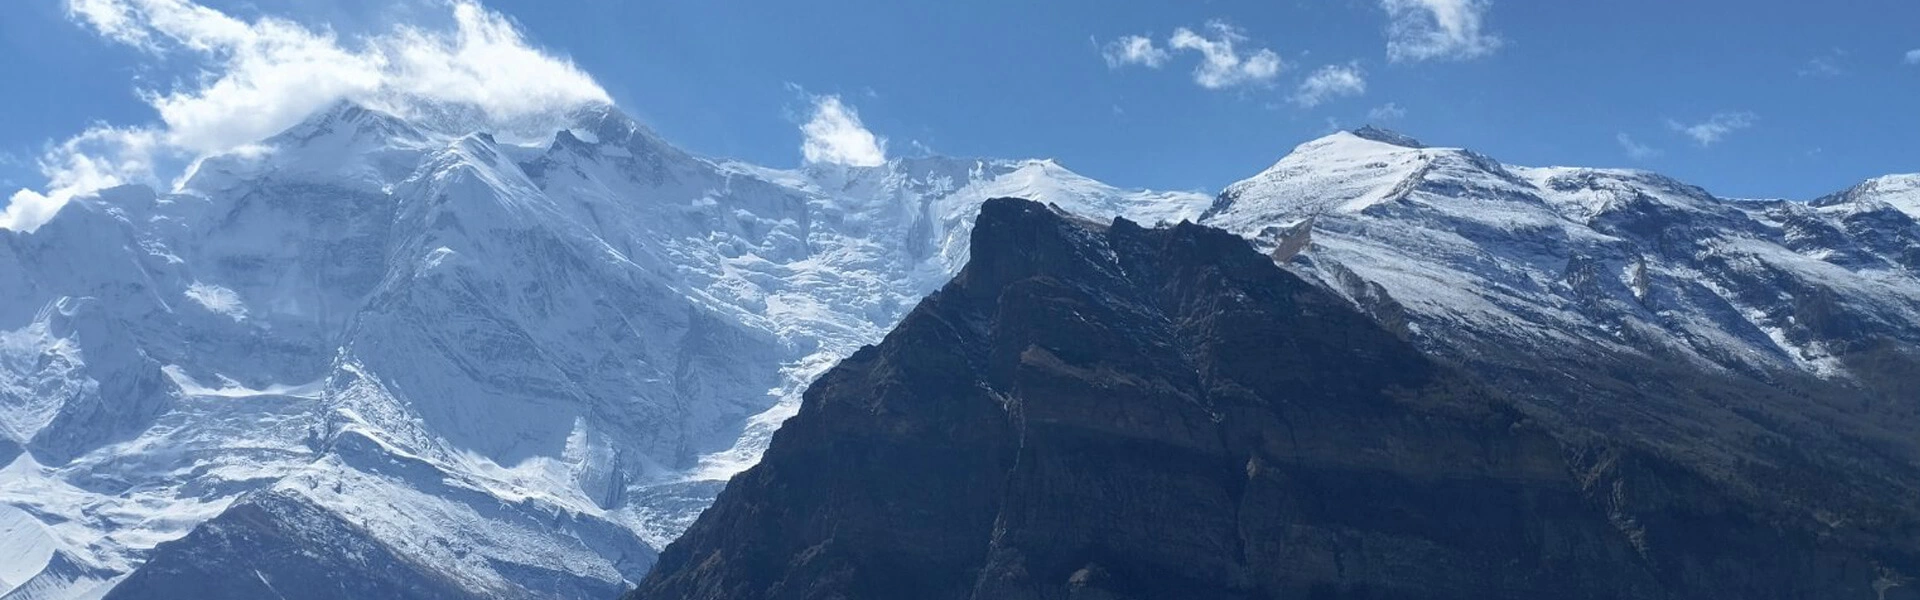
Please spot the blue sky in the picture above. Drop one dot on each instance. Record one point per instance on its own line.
(1748, 98)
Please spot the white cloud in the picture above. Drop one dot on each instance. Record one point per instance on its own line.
(1222, 65)
(261, 76)
(834, 135)
(1715, 128)
(28, 209)
(267, 74)
(1826, 65)
(1913, 56)
(115, 19)
(100, 158)
(1819, 67)
(1134, 50)
(1634, 149)
(1331, 81)
(1386, 112)
(1419, 30)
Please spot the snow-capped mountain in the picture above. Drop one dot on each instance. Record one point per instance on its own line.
(1605, 257)
(1770, 344)
(1900, 192)
(1095, 410)
(406, 359)
(390, 357)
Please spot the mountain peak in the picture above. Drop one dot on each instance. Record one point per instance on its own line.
(350, 120)
(605, 123)
(1346, 171)
(1387, 136)
(1901, 191)
(345, 143)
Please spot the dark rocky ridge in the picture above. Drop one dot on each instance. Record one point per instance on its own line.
(1094, 411)
(283, 547)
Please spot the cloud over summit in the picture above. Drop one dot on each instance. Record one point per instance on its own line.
(834, 135)
(258, 77)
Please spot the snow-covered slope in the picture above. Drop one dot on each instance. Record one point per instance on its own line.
(1572, 258)
(1773, 345)
(408, 358)
(522, 367)
(1901, 192)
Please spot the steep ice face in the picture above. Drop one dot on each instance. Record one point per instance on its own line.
(525, 360)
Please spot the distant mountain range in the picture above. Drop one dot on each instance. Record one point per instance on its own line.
(376, 357)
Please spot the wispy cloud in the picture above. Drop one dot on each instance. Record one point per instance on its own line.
(1825, 65)
(1634, 149)
(1421, 30)
(1222, 64)
(260, 76)
(1225, 60)
(1386, 112)
(1330, 82)
(100, 158)
(834, 135)
(266, 74)
(1819, 67)
(1715, 128)
(1134, 50)
(1913, 56)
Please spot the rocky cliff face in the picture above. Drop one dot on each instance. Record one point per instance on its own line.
(1108, 411)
